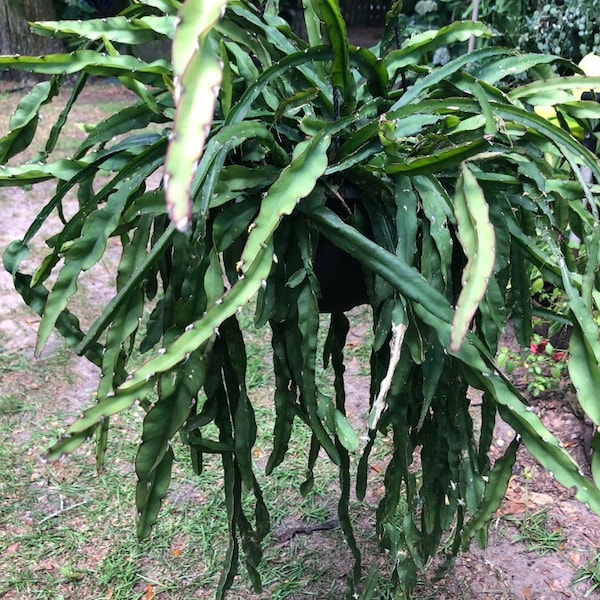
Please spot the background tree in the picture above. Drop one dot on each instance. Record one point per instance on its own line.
(15, 36)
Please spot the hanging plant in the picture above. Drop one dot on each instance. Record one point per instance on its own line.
(434, 191)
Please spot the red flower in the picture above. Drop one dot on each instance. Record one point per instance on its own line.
(558, 356)
(538, 347)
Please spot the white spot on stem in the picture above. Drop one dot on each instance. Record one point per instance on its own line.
(398, 331)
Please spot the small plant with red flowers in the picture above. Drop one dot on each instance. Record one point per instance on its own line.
(544, 366)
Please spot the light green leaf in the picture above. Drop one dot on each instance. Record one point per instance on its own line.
(123, 30)
(584, 370)
(477, 237)
(197, 78)
(92, 62)
(295, 182)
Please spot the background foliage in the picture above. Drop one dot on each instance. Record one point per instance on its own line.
(567, 28)
(86, 9)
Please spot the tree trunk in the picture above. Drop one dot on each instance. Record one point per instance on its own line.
(15, 36)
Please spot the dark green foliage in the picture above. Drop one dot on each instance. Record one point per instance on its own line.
(567, 28)
(444, 185)
(86, 9)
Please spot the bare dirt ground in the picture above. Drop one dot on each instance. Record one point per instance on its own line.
(508, 568)
(505, 570)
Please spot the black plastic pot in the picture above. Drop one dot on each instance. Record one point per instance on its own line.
(341, 276)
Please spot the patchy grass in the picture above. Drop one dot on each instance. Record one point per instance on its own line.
(589, 576)
(537, 535)
(71, 533)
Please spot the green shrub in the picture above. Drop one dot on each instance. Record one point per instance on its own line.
(568, 28)
(443, 184)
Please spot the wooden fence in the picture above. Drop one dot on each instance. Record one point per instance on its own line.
(357, 14)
